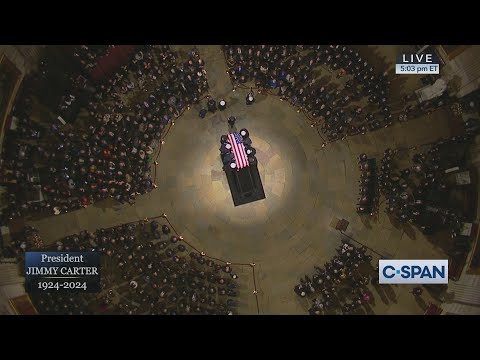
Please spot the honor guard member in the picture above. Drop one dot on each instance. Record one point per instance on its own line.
(250, 151)
(228, 158)
(250, 98)
(244, 133)
(247, 141)
(225, 148)
(222, 105)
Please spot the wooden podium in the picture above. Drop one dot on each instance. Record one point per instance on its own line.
(342, 225)
(339, 224)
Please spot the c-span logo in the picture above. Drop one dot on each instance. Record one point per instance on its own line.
(413, 271)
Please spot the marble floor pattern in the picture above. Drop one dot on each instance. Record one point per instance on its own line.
(288, 232)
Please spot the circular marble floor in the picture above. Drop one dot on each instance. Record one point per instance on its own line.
(303, 187)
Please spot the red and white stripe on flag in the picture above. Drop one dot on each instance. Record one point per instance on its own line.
(238, 150)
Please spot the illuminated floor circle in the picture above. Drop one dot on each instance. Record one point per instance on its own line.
(299, 191)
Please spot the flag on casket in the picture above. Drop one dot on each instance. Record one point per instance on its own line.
(238, 150)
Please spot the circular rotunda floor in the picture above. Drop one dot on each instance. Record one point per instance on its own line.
(303, 185)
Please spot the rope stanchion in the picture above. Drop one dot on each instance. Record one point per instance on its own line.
(369, 248)
(155, 176)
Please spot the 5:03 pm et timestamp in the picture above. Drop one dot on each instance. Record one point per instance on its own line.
(417, 69)
(45, 285)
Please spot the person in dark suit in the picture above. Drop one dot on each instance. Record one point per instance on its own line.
(228, 158)
(225, 148)
(247, 141)
(231, 121)
(211, 104)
